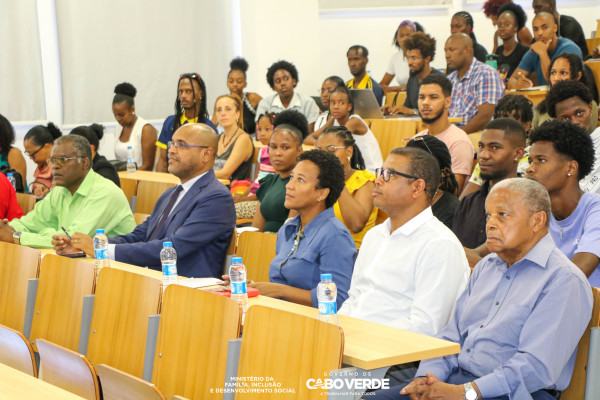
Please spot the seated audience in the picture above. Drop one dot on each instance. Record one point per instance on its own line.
(513, 106)
(81, 201)
(434, 103)
(190, 107)
(11, 157)
(9, 207)
(568, 27)
(341, 108)
(355, 205)
(462, 22)
(571, 101)
(419, 50)
(100, 164)
(566, 66)
(282, 76)
(561, 155)
(501, 146)
(397, 280)
(491, 10)
(445, 201)
(38, 143)
(233, 160)
(132, 130)
(476, 87)
(397, 67)
(284, 148)
(314, 242)
(358, 58)
(547, 45)
(236, 83)
(526, 283)
(328, 85)
(511, 20)
(197, 215)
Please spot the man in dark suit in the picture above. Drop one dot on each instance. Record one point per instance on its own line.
(197, 215)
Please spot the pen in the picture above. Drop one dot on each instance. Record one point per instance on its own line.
(66, 233)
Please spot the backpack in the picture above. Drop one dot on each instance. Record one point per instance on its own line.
(5, 169)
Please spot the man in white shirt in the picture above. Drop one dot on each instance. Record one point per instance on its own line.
(410, 269)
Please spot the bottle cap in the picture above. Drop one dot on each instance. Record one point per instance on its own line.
(129, 147)
(99, 231)
(325, 276)
(236, 260)
(9, 174)
(168, 244)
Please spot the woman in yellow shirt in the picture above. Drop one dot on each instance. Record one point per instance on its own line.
(355, 205)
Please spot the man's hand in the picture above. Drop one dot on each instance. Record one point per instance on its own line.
(541, 48)
(83, 242)
(6, 232)
(62, 244)
(431, 387)
(40, 191)
(523, 82)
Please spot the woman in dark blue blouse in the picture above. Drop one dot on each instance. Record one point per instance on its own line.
(314, 242)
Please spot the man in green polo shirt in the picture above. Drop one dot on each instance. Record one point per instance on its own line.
(81, 201)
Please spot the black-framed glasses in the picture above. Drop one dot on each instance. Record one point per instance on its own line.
(60, 161)
(387, 173)
(332, 148)
(422, 139)
(34, 153)
(181, 145)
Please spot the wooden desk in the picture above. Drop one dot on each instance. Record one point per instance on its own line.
(17, 385)
(536, 96)
(155, 177)
(592, 44)
(389, 98)
(392, 132)
(595, 67)
(116, 264)
(369, 345)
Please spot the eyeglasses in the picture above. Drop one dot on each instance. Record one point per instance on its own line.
(60, 161)
(192, 75)
(332, 148)
(181, 145)
(387, 173)
(321, 91)
(422, 139)
(34, 153)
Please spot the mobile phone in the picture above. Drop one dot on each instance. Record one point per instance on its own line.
(77, 254)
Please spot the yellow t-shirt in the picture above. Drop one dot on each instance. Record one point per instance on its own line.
(365, 83)
(355, 182)
(182, 121)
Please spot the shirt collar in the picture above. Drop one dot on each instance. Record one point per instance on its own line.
(188, 185)
(86, 186)
(296, 102)
(183, 120)
(412, 225)
(469, 71)
(312, 227)
(538, 255)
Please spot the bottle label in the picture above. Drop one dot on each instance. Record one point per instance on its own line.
(238, 287)
(100, 254)
(169, 269)
(327, 307)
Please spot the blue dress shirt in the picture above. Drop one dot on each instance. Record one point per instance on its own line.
(326, 248)
(518, 327)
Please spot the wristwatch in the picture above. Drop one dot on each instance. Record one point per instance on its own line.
(470, 392)
(416, 111)
(17, 237)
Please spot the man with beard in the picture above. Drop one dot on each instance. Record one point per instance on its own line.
(501, 146)
(420, 50)
(434, 101)
(190, 107)
(358, 58)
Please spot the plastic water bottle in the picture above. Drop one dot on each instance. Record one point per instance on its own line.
(237, 277)
(12, 180)
(327, 295)
(131, 167)
(100, 250)
(168, 259)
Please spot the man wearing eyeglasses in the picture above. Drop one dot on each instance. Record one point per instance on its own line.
(411, 269)
(197, 215)
(81, 201)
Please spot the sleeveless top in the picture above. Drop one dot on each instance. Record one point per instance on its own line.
(355, 182)
(249, 116)
(368, 146)
(243, 171)
(135, 141)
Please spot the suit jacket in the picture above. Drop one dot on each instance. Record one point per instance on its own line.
(200, 227)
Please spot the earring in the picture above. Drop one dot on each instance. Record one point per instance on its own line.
(349, 159)
(516, 159)
(568, 174)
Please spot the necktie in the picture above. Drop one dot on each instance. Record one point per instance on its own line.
(165, 214)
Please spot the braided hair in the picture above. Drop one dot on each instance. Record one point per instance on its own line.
(202, 113)
(344, 134)
(468, 20)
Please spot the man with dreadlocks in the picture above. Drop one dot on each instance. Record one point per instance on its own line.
(190, 107)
